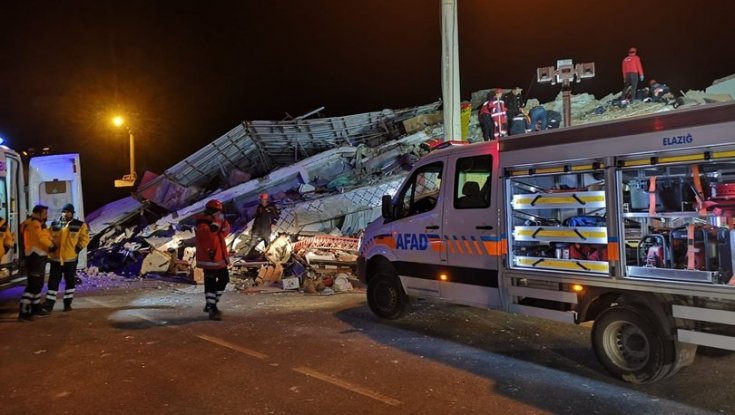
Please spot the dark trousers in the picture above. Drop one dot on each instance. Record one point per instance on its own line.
(488, 127)
(538, 118)
(69, 272)
(215, 282)
(30, 301)
(255, 239)
(631, 85)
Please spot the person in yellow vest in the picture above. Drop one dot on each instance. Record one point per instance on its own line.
(71, 236)
(6, 236)
(37, 245)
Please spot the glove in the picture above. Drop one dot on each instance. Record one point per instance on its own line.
(641, 78)
(52, 248)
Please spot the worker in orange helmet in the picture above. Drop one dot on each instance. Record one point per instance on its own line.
(212, 254)
(266, 215)
(632, 74)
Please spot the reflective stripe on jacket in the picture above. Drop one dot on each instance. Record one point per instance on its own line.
(70, 238)
(212, 252)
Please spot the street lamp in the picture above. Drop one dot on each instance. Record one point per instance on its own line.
(127, 180)
(564, 73)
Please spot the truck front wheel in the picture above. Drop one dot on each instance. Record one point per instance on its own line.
(386, 297)
(630, 346)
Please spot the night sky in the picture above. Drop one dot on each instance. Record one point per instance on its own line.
(186, 72)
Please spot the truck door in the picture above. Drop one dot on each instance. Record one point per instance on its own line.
(470, 230)
(416, 230)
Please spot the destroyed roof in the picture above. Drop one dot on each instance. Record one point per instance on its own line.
(111, 214)
(266, 145)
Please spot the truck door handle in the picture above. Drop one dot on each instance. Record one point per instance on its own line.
(432, 227)
(484, 227)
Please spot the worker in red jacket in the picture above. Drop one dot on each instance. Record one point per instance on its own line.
(486, 119)
(499, 114)
(212, 255)
(632, 74)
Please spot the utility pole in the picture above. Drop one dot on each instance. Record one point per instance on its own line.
(564, 73)
(450, 72)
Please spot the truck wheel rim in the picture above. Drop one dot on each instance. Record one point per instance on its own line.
(626, 345)
(386, 296)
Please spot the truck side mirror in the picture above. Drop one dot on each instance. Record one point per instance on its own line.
(387, 207)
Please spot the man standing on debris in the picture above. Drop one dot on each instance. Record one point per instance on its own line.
(632, 74)
(38, 244)
(71, 236)
(500, 118)
(514, 103)
(212, 254)
(486, 119)
(266, 215)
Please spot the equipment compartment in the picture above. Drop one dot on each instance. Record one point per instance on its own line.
(687, 235)
(557, 220)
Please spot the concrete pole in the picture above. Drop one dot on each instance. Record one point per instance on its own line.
(132, 154)
(450, 72)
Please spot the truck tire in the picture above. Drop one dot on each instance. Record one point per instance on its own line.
(630, 345)
(386, 297)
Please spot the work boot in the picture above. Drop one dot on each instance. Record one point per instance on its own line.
(37, 310)
(67, 305)
(24, 316)
(215, 314)
(48, 306)
(207, 308)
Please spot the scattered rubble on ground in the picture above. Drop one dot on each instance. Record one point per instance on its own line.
(327, 177)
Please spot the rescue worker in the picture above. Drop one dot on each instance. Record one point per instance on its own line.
(486, 119)
(71, 236)
(212, 254)
(632, 74)
(658, 92)
(498, 112)
(266, 215)
(514, 103)
(6, 236)
(37, 243)
(538, 118)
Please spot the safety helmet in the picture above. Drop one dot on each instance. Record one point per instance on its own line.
(651, 82)
(263, 196)
(632, 51)
(68, 208)
(214, 205)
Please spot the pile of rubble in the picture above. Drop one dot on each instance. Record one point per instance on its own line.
(327, 176)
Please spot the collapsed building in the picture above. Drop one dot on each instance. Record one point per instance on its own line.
(327, 176)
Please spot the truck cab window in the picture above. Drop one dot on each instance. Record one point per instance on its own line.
(421, 192)
(472, 182)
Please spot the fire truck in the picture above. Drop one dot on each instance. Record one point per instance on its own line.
(627, 223)
(51, 180)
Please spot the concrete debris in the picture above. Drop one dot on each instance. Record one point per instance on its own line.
(327, 176)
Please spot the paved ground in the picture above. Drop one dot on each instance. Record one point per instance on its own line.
(146, 347)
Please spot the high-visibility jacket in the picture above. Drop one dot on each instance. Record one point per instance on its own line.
(6, 236)
(70, 238)
(632, 64)
(210, 231)
(499, 117)
(36, 237)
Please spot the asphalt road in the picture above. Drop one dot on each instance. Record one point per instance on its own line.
(148, 348)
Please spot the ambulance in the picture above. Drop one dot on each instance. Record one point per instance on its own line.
(51, 180)
(628, 224)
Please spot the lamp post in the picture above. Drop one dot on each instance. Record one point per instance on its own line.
(127, 180)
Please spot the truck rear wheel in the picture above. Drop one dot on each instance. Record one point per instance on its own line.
(628, 343)
(386, 297)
